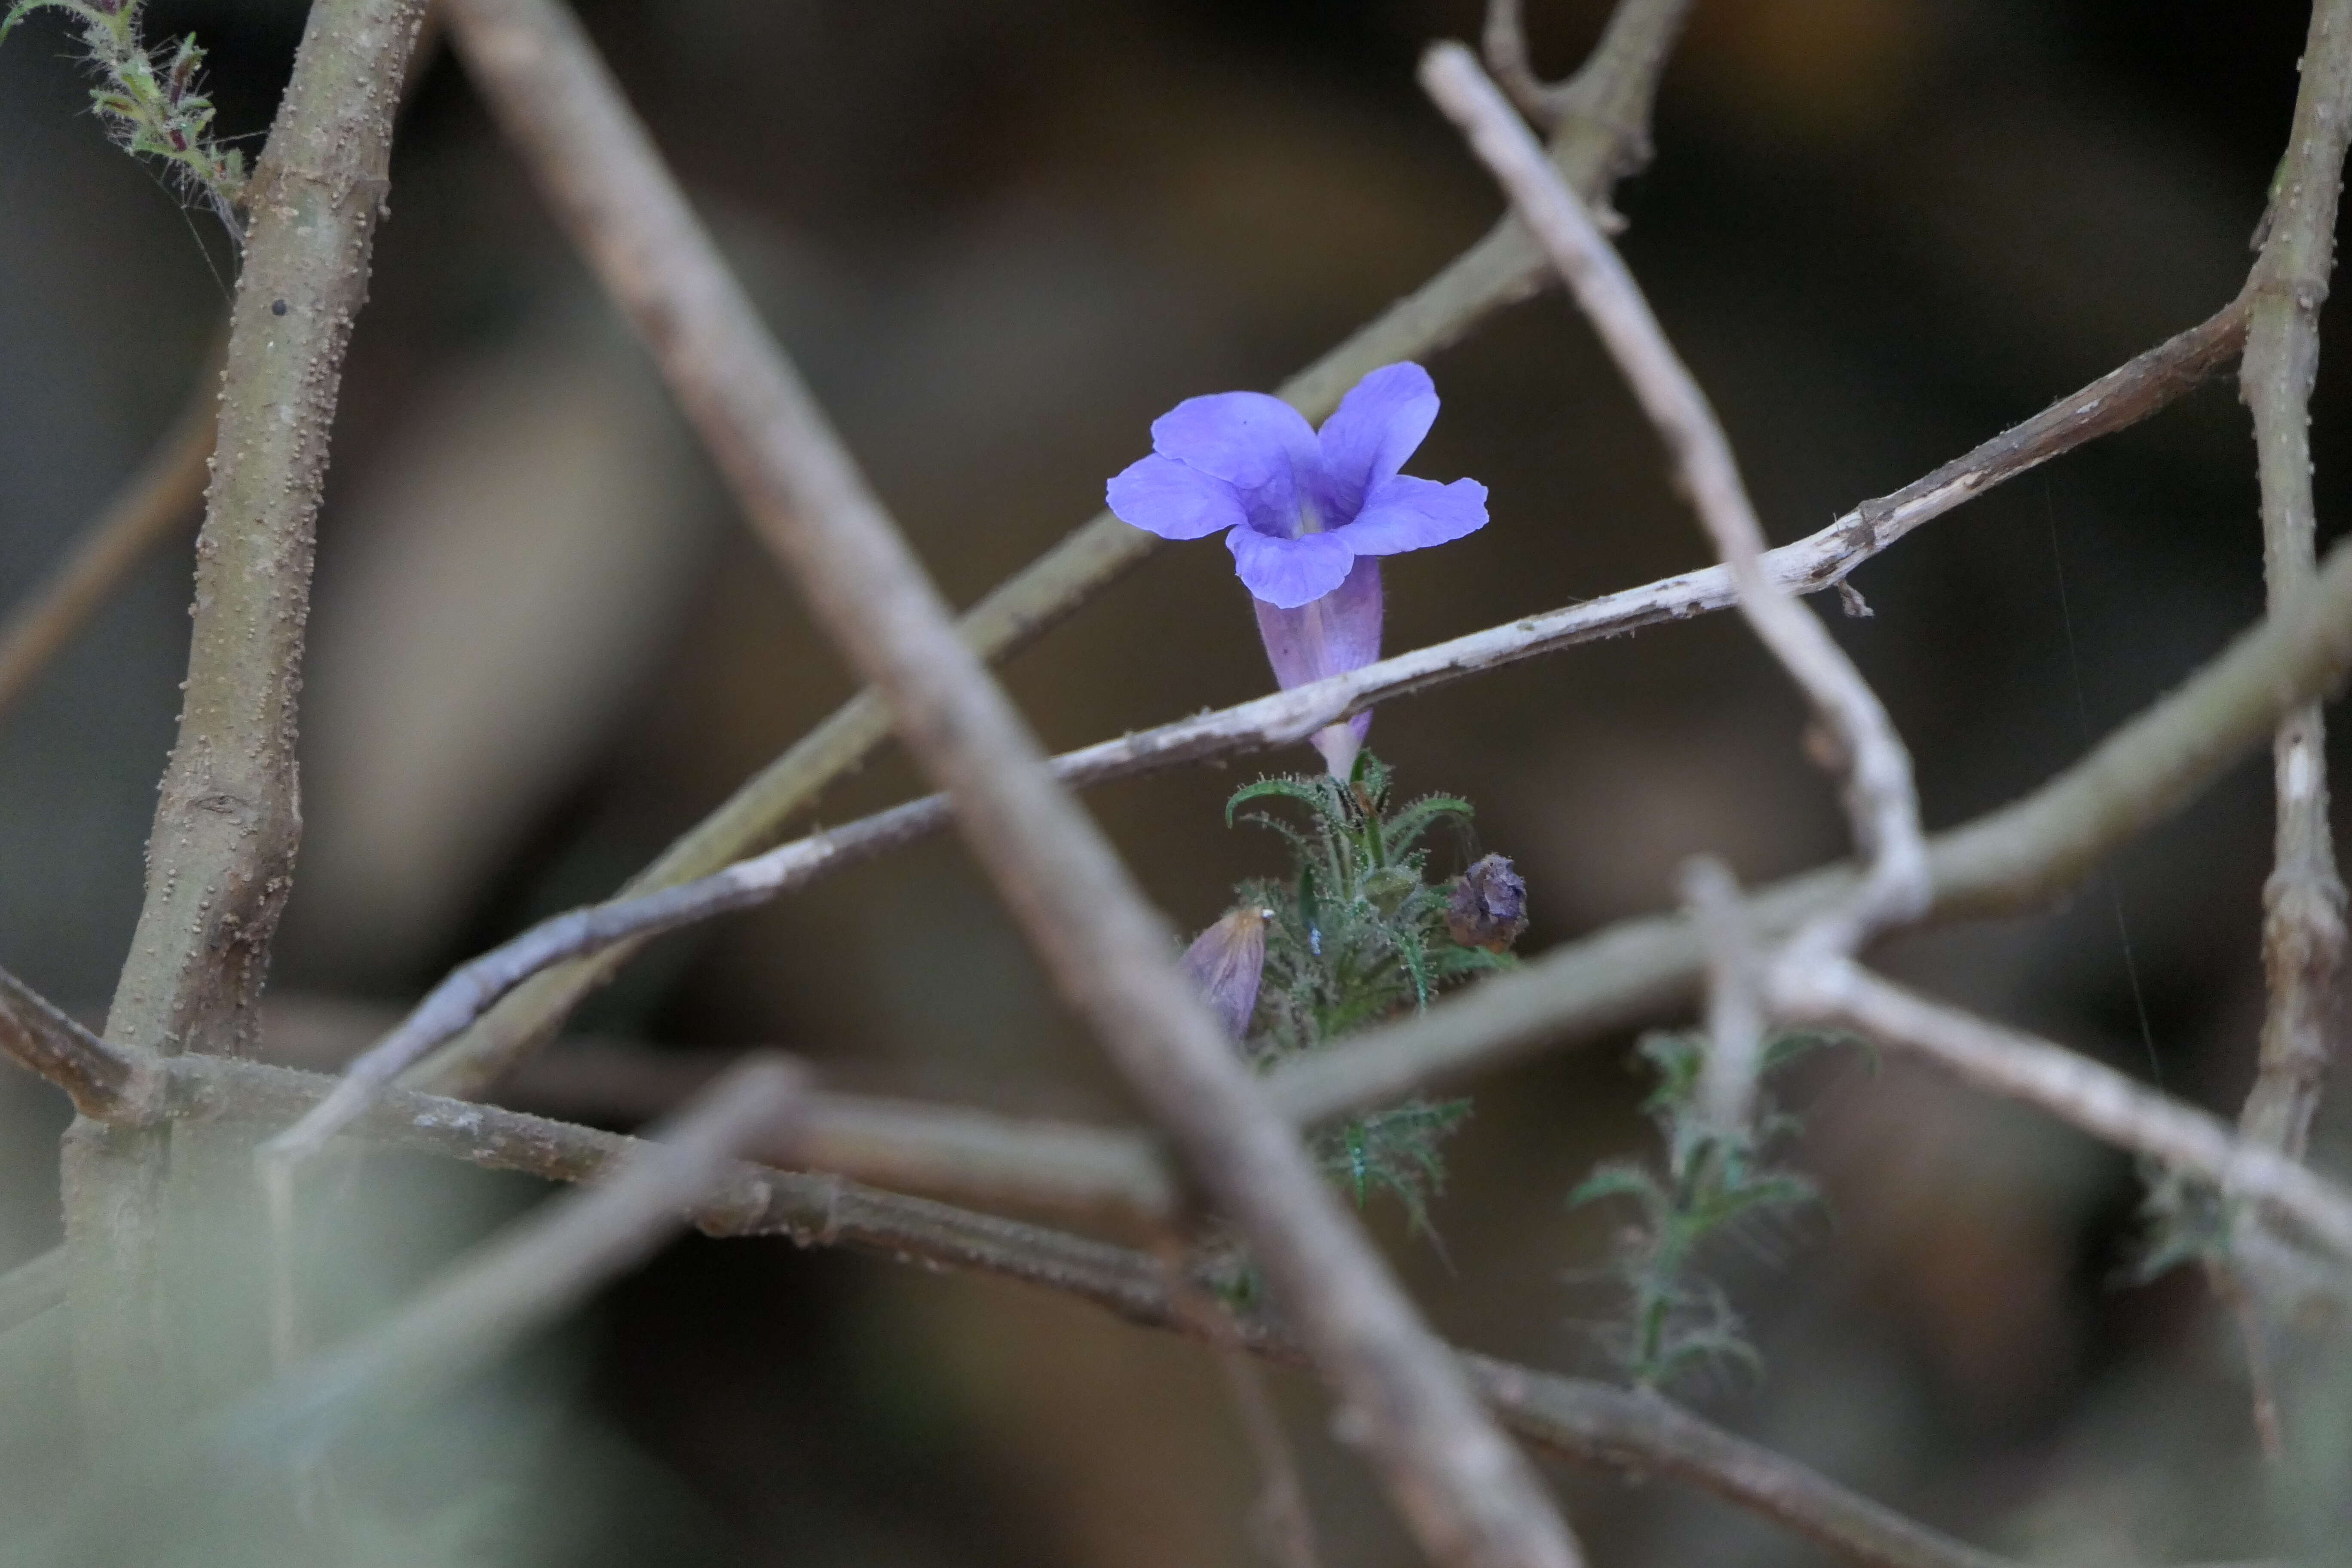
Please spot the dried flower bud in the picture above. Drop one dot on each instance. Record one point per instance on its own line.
(1487, 906)
(1224, 964)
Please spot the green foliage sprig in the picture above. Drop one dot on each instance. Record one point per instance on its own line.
(1716, 1184)
(152, 102)
(1357, 933)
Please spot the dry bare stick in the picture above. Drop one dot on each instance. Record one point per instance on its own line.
(1882, 802)
(1282, 1521)
(103, 1082)
(1819, 561)
(1587, 1423)
(537, 1270)
(156, 500)
(1603, 137)
(2303, 900)
(1468, 1495)
(2088, 1094)
(2015, 859)
(2303, 925)
(222, 849)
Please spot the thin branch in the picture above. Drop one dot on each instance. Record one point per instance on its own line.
(1881, 800)
(2302, 925)
(1734, 994)
(103, 1081)
(159, 498)
(2089, 1094)
(2015, 859)
(1282, 1521)
(1504, 41)
(222, 852)
(612, 931)
(473, 987)
(1589, 1423)
(541, 1267)
(1605, 137)
(1468, 1495)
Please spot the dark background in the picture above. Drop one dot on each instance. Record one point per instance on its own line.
(999, 239)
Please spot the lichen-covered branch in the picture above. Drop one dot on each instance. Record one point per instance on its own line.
(1605, 137)
(2303, 902)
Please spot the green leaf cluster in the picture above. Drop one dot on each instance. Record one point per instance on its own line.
(151, 102)
(1355, 934)
(1715, 1185)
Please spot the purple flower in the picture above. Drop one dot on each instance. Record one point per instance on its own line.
(1306, 513)
(1225, 964)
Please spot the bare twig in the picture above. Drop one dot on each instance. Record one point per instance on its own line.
(1283, 1522)
(1606, 137)
(1819, 561)
(2303, 925)
(1589, 1423)
(1880, 798)
(1503, 40)
(158, 499)
(103, 1081)
(2088, 1094)
(543, 1265)
(1734, 994)
(1468, 1494)
(471, 989)
(2015, 859)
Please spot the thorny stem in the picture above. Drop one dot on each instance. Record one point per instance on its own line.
(1468, 1495)
(226, 830)
(1606, 138)
(2302, 925)
(222, 849)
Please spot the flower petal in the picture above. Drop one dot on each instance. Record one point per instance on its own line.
(1250, 440)
(1375, 429)
(1404, 513)
(1226, 964)
(1174, 501)
(1289, 573)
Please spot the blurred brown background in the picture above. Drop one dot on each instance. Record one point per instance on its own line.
(999, 239)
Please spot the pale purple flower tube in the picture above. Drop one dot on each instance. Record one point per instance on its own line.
(1225, 964)
(1307, 514)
